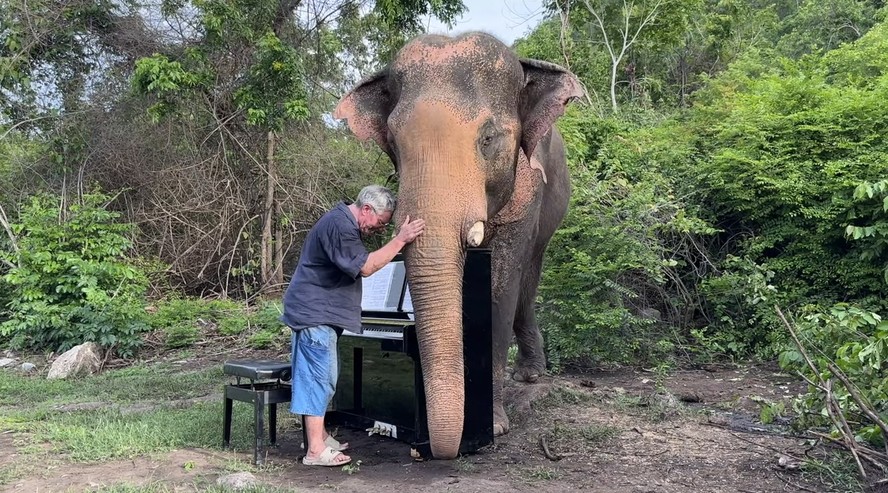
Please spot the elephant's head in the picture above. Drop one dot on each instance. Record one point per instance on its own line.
(454, 114)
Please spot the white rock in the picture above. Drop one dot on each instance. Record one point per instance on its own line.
(79, 360)
(4, 362)
(238, 481)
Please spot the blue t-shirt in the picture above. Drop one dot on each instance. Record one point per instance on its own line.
(326, 288)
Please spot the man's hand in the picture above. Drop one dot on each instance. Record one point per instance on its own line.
(406, 234)
(409, 230)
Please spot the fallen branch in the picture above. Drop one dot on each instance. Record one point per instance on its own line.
(852, 389)
(838, 419)
(548, 453)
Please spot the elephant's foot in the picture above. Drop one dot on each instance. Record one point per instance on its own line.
(528, 373)
(529, 368)
(500, 420)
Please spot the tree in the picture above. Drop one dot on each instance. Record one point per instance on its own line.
(625, 31)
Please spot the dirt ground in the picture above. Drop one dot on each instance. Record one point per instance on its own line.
(608, 431)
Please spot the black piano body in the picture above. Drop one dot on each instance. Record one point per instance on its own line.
(380, 384)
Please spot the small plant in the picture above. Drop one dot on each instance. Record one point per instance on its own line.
(352, 468)
(770, 410)
(264, 339)
(560, 396)
(182, 334)
(542, 473)
(234, 324)
(464, 465)
(595, 434)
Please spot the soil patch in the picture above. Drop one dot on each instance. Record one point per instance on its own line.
(617, 431)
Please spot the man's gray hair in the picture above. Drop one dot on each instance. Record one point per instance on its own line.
(381, 199)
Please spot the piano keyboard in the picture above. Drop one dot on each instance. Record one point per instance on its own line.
(378, 328)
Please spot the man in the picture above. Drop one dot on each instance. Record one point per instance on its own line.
(324, 298)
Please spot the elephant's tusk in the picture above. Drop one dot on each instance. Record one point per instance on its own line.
(476, 234)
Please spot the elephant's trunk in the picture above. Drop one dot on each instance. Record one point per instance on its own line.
(436, 186)
(436, 288)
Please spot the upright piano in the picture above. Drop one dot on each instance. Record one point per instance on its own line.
(380, 386)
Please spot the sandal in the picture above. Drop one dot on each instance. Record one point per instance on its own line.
(334, 444)
(330, 442)
(328, 458)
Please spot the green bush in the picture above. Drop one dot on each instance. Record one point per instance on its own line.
(72, 282)
(181, 334)
(868, 223)
(781, 147)
(611, 287)
(183, 319)
(172, 311)
(739, 298)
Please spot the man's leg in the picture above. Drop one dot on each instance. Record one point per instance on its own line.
(315, 371)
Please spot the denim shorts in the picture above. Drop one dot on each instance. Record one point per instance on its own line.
(315, 370)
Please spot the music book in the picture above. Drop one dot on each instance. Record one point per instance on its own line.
(383, 291)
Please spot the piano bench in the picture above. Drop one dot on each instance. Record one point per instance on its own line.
(266, 387)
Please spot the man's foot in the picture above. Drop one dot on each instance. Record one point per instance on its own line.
(335, 444)
(327, 458)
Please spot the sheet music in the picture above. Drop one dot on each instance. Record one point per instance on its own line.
(407, 305)
(382, 290)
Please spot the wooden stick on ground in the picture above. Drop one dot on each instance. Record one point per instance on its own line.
(858, 399)
(838, 419)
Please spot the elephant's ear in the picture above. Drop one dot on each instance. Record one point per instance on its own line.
(366, 109)
(547, 90)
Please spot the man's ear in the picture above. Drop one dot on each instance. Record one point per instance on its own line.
(547, 90)
(366, 109)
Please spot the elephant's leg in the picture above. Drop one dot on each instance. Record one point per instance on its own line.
(531, 358)
(506, 274)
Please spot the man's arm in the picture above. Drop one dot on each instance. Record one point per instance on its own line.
(378, 259)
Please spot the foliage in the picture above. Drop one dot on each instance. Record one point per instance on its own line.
(869, 215)
(71, 281)
(185, 321)
(823, 26)
(51, 52)
(855, 340)
(613, 272)
(739, 298)
(780, 149)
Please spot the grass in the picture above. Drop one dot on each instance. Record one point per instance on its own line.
(540, 473)
(126, 422)
(95, 436)
(464, 465)
(834, 469)
(138, 383)
(561, 396)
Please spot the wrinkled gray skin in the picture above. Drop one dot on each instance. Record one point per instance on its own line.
(458, 116)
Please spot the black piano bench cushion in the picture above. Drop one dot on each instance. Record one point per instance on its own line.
(259, 369)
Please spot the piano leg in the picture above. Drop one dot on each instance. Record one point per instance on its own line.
(357, 391)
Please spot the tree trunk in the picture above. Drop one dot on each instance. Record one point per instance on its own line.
(267, 255)
(278, 245)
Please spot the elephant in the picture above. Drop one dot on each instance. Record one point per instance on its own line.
(459, 117)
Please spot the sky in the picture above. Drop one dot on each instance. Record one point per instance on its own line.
(505, 19)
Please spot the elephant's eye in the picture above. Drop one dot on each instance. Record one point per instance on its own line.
(487, 140)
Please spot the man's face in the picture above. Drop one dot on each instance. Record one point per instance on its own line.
(370, 222)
